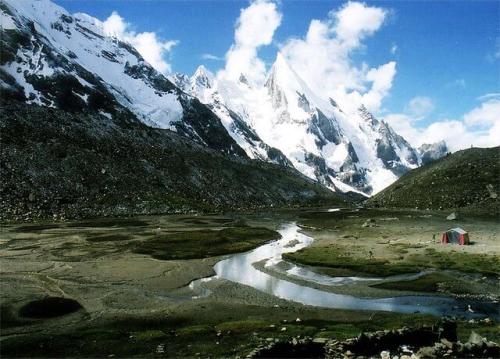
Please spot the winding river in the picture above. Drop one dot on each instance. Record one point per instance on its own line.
(240, 268)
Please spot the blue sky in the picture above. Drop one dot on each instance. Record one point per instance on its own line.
(445, 51)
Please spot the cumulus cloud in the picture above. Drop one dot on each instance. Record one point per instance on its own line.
(255, 27)
(323, 57)
(487, 114)
(153, 49)
(479, 127)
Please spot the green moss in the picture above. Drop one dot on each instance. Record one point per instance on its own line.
(242, 326)
(346, 261)
(339, 260)
(205, 243)
(148, 335)
(486, 264)
(109, 238)
(426, 283)
(195, 330)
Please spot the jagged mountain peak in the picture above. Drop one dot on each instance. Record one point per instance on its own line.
(283, 76)
(203, 76)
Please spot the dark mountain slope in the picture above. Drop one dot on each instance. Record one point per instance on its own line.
(468, 179)
(54, 162)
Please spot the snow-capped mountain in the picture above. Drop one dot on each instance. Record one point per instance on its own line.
(52, 58)
(343, 151)
(203, 86)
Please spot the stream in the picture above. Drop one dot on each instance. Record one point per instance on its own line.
(240, 268)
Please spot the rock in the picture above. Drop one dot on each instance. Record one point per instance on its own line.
(320, 340)
(452, 216)
(491, 191)
(385, 355)
(298, 320)
(426, 353)
(283, 329)
(160, 349)
(370, 222)
(475, 339)
(447, 343)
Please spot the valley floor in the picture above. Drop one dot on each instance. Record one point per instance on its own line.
(131, 277)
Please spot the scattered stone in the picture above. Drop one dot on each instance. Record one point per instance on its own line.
(320, 340)
(385, 355)
(283, 329)
(447, 343)
(475, 338)
(298, 320)
(491, 191)
(160, 349)
(452, 216)
(370, 222)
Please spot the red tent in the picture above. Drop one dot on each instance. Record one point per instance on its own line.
(455, 236)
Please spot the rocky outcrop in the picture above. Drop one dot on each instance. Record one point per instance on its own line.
(436, 341)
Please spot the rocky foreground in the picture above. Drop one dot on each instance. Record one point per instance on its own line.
(437, 341)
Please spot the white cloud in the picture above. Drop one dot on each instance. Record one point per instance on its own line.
(211, 57)
(487, 114)
(323, 57)
(355, 21)
(153, 49)
(255, 27)
(479, 127)
(420, 106)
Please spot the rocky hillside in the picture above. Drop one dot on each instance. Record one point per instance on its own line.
(55, 163)
(467, 179)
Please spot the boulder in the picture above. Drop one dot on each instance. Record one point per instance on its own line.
(452, 216)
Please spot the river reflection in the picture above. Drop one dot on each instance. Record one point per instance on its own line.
(240, 268)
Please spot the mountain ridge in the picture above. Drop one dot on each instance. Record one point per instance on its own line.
(55, 59)
(465, 180)
(60, 164)
(316, 135)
